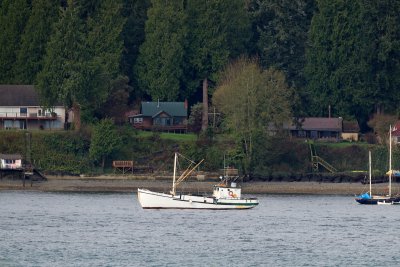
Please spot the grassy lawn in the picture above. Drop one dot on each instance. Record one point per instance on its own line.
(345, 144)
(170, 136)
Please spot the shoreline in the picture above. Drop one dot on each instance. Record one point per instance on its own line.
(125, 185)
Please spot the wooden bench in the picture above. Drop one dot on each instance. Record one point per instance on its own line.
(123, 166)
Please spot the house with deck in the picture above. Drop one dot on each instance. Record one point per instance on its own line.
(161, 116)
(329, 129)
(10, 161)
(317, 128)
(20, 109)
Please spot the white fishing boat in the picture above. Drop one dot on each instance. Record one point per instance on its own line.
(389, 199)
(226, 195)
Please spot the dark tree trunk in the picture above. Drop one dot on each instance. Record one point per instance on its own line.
(204, 121)
(77, 115)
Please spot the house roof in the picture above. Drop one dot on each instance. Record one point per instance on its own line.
(10, 156)
(18, 95)
(351, 127)
(318, 124)
(175, 109)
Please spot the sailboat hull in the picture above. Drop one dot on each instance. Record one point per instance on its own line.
(154, 200)
(379, 201)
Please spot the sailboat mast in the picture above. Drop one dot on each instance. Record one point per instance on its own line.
(173, 181)
(390, 160)
(370, 183)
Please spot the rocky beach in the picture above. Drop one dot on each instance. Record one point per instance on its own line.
(163, 184)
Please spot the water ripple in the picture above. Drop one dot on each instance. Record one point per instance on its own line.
(60, 229)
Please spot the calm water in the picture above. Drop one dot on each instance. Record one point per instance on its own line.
(60, 229)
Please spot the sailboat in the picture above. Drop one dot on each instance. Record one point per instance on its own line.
(370, 199)
(226, 195)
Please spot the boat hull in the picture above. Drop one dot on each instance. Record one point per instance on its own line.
(154, 200)
(379, 201)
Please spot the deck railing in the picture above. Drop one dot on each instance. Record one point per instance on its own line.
(18, 115)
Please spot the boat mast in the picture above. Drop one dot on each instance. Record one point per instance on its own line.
(173, 181)
(390, 160)
(370, 183)
(224, 171)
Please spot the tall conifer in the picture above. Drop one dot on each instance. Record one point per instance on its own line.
(34, 39)
(160, 63)
(13, 17)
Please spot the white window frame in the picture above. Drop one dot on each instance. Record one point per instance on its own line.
(137, 120)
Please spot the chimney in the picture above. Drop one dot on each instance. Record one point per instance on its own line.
(186, 104)
(158, 103)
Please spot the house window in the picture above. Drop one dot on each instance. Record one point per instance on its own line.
(178, 121)
(163, 121)
(157, 121)
(10, 161)
(314, 134)
(137, 120)
(302, 133)
(23, 111)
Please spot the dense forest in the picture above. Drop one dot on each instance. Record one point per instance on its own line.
(261, 63)
(102, 56)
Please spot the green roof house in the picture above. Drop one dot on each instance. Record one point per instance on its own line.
(161, 116)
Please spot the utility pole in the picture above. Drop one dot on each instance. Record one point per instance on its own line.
(214, 116)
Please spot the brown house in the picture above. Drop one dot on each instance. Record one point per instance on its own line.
(161, 116)
(324, 128)
(317, 128)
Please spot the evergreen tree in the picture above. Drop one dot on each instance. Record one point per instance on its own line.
(135, 12)
(219, 31)
(105, 46)
(353, 59)
(34, 39)
(382, 18)
(13, 17)
(88, 8)
(319, 63)
(281, 33)
(160, 63)
(174, 61)
(64, 76)
(83, 59)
